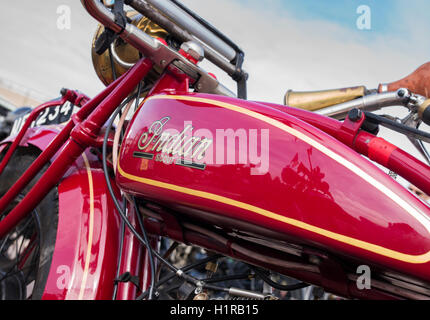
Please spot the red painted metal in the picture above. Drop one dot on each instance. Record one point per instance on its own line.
(316, 190)
(58, 168)
(319, 193)
(69, 278)
(399, 161)
(76, 273)
(39, 137)
(132, 260)
(53, 147)
(36, 166)
(82, 136)
(33, 115)
(172, 80)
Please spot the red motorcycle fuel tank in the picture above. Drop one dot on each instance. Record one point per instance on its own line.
(253, 164)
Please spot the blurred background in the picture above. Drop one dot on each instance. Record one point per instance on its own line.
(299, 45)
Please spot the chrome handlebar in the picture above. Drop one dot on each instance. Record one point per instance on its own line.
(160, 54)
(371, 102)
(183, 35)
(184, 20)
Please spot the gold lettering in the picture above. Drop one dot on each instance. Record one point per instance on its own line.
(142, 140)
(167, 149)
(156, 128)
(161, 142)
(192, 142)
(204, 145)
(179, 144)
(179, 140)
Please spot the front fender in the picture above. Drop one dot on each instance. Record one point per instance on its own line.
(39, 137)
(86, 249)
(85, 257)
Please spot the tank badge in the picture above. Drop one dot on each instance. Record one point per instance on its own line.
(172, 147)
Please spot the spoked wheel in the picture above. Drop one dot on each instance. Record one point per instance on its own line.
(26, 252)
(19, 259)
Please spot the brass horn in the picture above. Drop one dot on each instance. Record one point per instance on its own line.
(316, 100)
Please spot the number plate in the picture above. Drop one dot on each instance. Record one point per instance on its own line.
(51, 115)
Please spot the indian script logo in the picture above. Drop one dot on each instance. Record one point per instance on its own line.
(181, 148)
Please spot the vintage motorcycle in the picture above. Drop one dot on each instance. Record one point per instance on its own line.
(94, 202)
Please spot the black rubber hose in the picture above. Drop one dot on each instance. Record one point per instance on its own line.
(118, 207)
(108, 183)
(184, 269)
(121, 245)
(150, 251)
(276, 285)
(228, 278)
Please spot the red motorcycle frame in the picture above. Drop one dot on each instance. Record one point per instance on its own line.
(78, 135)
(86, 250)
(74, 138)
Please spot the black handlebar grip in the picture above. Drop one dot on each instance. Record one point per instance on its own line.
(104, 41)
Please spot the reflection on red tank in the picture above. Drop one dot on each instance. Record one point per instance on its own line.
(315, 190)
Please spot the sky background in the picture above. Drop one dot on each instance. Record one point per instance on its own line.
(299, 45)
